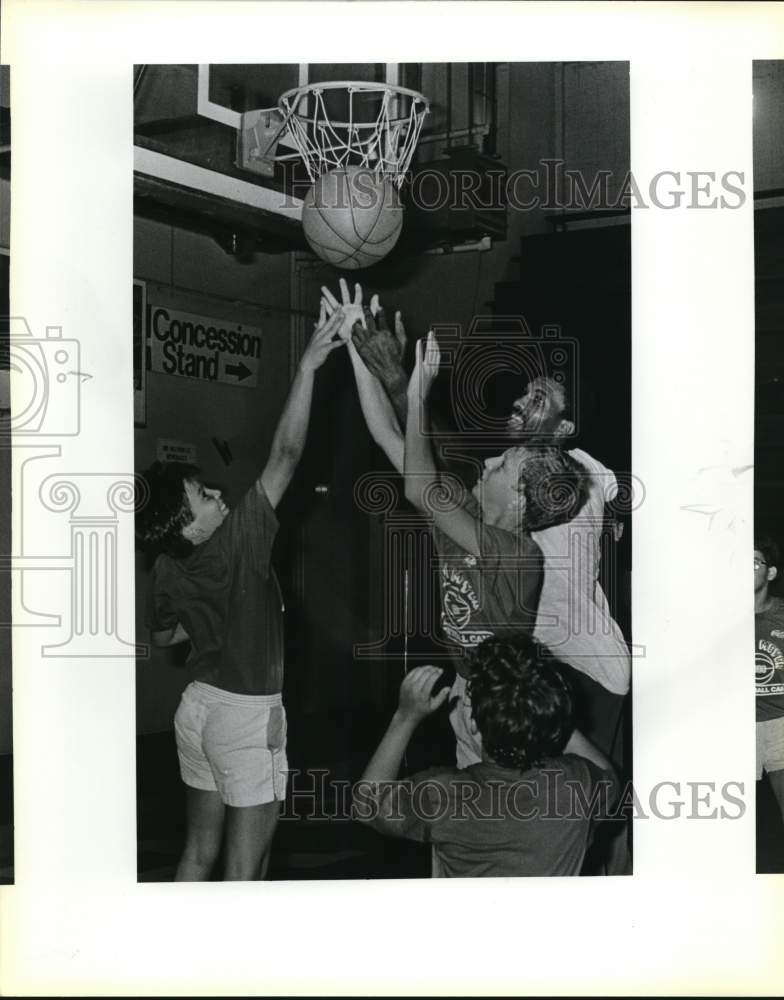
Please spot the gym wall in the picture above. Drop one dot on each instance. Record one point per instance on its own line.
(192, 273)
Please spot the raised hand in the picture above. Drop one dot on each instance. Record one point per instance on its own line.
(428, 359)
(352, 309)
(400, 330)
(416, 701)
(380, 349)
(321, 343)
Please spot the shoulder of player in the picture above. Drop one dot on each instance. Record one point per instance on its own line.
(584, 458)
(521, 543)
(439, 775)
(253, 502)
(584, 771)
(592, 465)
(162, 560)
(164, 567)
(603, 483)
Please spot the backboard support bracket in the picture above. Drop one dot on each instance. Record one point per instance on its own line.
(257, 140)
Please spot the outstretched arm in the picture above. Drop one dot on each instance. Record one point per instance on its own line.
(415, 703)
(377, 410)
(421, 475)
(382, 353)
(289, 440)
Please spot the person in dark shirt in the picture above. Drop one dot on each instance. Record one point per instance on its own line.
(574, 618)
(213, 585)
(535, 520)
(769, 667)
(529, 806)
(490, 568)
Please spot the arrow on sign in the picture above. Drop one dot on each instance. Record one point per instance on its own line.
(240, 370)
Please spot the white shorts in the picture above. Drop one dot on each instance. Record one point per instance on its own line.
(770, 746)
(469, 744)
(234, 744)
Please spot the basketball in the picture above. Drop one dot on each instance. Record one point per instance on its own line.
(351, 219)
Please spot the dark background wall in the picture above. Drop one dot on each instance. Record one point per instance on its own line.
(769, 297)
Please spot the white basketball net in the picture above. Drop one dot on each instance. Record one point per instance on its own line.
(385, 144)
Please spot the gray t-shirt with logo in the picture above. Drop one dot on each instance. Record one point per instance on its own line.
(769, 661)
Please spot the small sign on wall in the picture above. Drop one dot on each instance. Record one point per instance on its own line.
(203, 347)
(170, 450)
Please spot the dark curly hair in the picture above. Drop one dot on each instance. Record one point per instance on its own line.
(163, 509)
(769, 549)
(555, 487)
(521, 701)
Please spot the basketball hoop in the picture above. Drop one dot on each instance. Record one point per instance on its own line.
(356, 140)
(353, 123)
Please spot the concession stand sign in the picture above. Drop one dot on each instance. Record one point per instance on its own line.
(203, 347)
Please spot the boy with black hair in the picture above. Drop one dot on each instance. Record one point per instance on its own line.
(213, 584)
(529, 806)
(769, 667)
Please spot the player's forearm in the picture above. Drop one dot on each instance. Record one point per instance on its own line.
(292, 430)
(395, 387)
(385, 763)
(419, 467)
(582, 747)
(383, 363)
(378, 413)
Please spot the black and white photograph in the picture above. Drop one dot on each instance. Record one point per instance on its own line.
(768, 484)
(392, 396)
(388, 341)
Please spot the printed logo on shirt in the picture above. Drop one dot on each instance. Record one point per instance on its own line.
(769, 690)
(768, 661)
(777, 633)
(459, 602)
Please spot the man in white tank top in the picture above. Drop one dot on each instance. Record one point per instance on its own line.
(574, 618)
